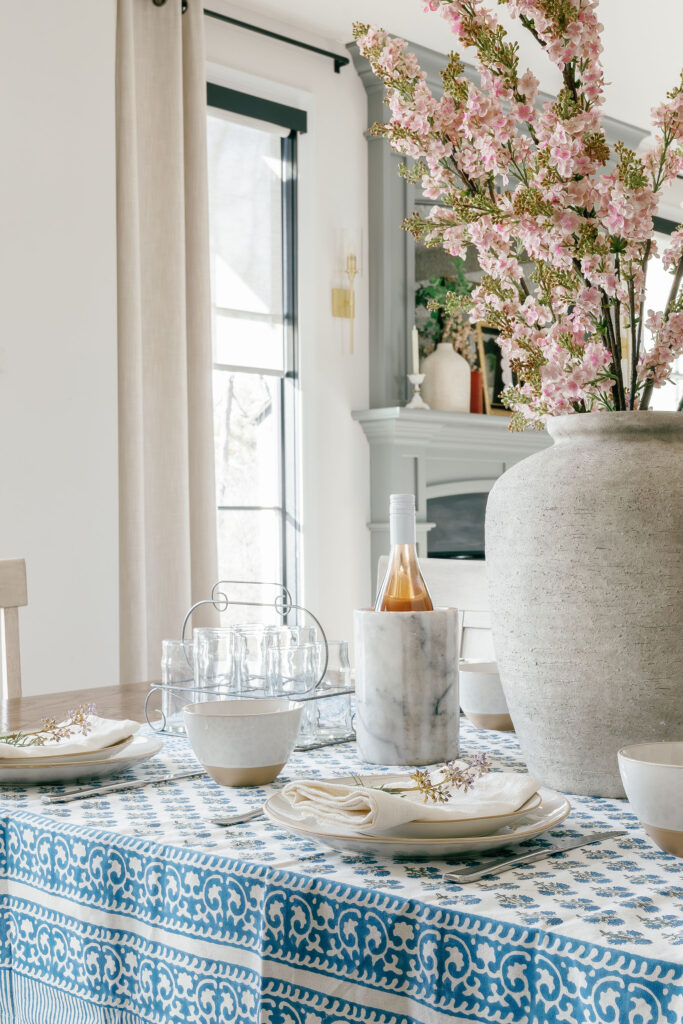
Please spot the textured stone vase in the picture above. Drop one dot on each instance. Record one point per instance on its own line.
(584, 552)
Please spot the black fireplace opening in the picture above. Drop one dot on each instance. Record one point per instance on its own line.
(459, 530)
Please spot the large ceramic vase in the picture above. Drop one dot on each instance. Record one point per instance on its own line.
(584, 551)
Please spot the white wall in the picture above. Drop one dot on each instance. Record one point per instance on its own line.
(332, 200)
(58, 462)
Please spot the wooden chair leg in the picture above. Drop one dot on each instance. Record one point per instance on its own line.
(11, 649)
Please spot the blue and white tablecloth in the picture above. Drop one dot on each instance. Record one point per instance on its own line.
(133, 909)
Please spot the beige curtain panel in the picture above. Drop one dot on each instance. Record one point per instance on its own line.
(166, 469)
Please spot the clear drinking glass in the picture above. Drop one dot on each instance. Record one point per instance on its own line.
(290, 636)
(256, 640)
(329, 719)
(217, 653)
(177, 677)
(292, 670)
(338, 671)
(251, 646)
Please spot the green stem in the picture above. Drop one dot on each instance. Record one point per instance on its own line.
(675, 285)
(641, 317)
(634, 363)
(619, 402)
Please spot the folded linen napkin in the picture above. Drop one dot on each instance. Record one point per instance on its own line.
(102, 733)
(368, 810)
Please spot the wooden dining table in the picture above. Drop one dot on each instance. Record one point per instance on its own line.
(127, 701)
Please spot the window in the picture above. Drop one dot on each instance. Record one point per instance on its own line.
(657, 290)
(252, 217)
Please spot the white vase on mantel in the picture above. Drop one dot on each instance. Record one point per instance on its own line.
(446, 386)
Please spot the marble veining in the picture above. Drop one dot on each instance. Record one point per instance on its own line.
(407, 700)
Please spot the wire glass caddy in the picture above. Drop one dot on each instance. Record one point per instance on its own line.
(290, 661)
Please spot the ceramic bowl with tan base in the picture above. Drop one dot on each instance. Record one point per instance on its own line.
(243, 742)
(652, 774)
(481, 696)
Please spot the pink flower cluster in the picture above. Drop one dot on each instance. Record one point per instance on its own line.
(562, 228)
(657, 363)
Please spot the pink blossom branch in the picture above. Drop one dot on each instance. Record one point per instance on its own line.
(580, 224)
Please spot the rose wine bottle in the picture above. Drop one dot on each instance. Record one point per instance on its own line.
(403, 589)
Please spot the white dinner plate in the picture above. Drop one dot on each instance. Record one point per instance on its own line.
(140, 749)
(86, 755)
(453, 829)
(552, 809)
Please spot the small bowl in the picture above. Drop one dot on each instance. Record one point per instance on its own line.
(243, 742)
(652, 774)
(481, 696)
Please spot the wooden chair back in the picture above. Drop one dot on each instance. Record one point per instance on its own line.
(459, 583)
(13, 595)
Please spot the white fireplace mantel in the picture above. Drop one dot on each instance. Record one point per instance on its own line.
(433, 453)
(450, 431)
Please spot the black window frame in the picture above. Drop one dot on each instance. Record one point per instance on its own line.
(221, 98)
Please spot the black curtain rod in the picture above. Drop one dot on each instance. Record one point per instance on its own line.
(339, 61)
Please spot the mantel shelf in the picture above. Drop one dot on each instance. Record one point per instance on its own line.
(448, 430)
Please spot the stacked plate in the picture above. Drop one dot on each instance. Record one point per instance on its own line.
(58, 768)
(541, 812)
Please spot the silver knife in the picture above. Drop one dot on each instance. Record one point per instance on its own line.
(115, 787)
(238, 819)
(496, 867)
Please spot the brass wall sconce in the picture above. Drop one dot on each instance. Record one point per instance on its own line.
(343, 299)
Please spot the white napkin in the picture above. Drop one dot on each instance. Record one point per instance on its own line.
(102, 733)
(367, 810)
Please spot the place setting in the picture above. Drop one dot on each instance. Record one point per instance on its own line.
(82, 746)
(387, 816)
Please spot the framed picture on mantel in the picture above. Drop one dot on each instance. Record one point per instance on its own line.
(493, 371)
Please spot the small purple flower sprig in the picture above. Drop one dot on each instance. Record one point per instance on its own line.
(75, 722)
(455, 775)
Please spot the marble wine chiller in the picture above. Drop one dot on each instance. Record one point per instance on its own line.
(407, 701)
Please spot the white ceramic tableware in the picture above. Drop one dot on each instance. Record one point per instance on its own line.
(481, 696)
(453, 829)
(243, 742)
(652, 774)
(552, 809)
(80, 766)
(86, 755)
